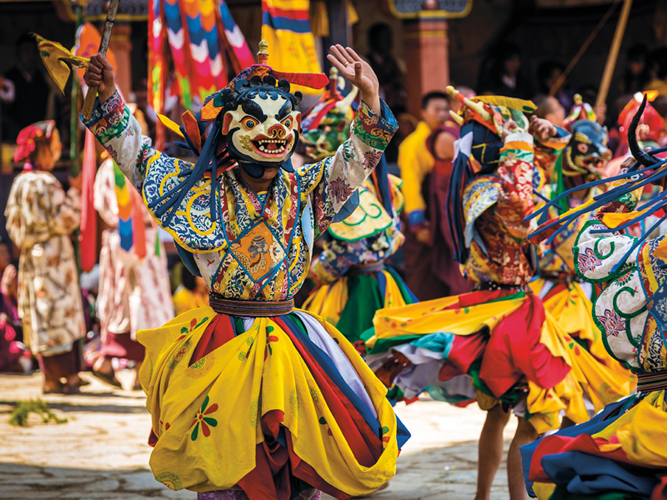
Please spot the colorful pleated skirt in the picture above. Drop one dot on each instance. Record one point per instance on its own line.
(620, 454)
(569, 304)
(273, 407)
(509, 347)
(350, 302)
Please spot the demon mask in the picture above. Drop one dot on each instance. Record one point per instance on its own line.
(260, 123)
(587, 152)
(253, 122)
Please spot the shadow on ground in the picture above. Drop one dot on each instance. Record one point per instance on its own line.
(27, 482)
(447, 473)
(8, 407)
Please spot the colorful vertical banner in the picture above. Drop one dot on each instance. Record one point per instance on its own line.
(237, 47)
(156, 56)
(198, 35)
(131, 225)
(124, 203)
(205, 48)
(286, 27)
(177, 35)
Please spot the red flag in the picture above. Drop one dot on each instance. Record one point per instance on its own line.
(138, 225)
(88, 215)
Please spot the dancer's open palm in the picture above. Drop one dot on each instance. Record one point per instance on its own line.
(358, 72)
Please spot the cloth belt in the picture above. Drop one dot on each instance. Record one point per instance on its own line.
(649, 382)
(558, 279)
(370, 268)
(492, 285)
(250, 308)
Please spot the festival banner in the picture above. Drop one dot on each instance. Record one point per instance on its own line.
(88, 236)
(157, 47)
(237, 47)
(286, 27)
(197, 35)
(205, 47)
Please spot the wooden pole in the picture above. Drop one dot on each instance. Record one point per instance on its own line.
(613, 54)
(89, 103)
(563, 76)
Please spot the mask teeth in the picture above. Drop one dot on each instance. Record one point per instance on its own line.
(265, 145)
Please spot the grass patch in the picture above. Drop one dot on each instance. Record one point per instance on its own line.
(19, 416)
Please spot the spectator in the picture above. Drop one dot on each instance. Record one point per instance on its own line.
(31, 90)
(551, 110)
(548, 74)
(416, 164)
(390, 74)
(441, 145)
(637, 70)
(505, 76)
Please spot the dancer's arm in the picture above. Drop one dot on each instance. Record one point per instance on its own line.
(515, 199)
(115, 127)
(330, 182)
(335, 260)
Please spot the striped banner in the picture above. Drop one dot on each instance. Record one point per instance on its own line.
(286, 27)
(198, 35)
(156, 56)
(237, 47)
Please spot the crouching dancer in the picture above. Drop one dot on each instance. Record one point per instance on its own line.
(251, 399)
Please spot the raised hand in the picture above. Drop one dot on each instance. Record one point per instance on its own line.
(100, 74)
(359, 73)
(510, 127)
(542, 129)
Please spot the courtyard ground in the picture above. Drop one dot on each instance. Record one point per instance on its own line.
(101, 452)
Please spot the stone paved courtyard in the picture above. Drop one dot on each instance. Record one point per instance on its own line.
(101, 452)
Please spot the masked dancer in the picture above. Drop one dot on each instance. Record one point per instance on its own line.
(250, 398)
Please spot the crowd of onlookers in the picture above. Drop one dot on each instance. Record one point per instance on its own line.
(503, 72)
(26, 98)
(188, 291)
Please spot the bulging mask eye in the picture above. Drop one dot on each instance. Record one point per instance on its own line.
(287, 122)
(583, 148)
(249, 123)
